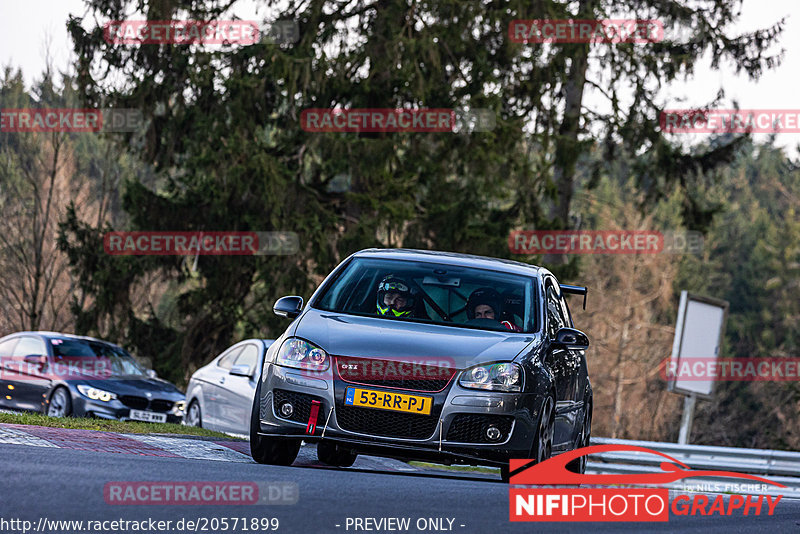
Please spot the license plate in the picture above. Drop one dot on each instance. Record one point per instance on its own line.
(150, 417)
(381, 400)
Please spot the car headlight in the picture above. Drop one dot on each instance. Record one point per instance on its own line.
(493, 377)
(301, 354)
(96, 394)
(178, 408)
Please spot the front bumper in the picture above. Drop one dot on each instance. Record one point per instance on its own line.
(114, 409)
(453, 433)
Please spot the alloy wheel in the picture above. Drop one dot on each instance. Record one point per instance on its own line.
(544, 448)
(586, 432)
(58, 404)
(193, 415)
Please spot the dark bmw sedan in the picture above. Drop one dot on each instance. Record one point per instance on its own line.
(430, 356)
(65, 375)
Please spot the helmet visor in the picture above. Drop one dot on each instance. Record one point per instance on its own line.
(395, 286)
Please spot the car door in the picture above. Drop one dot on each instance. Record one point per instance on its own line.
(6, 352)
(565, 365)
(29, 377)
(214, 378)
(236, 397)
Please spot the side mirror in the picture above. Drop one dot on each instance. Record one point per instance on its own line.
(289, 307)
(571, 339)
(241, 369)
(36, 359)
(151, 373)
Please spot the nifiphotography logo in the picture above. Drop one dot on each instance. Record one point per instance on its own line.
(621, 503)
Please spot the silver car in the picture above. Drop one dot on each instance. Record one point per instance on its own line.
(220, 395)
(430, 356)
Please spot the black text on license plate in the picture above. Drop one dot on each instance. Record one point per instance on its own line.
(399, 402)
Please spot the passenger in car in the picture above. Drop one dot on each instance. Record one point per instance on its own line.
(485, 303)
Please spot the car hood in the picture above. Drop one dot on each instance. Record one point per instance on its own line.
(133, 385)
(372, 337)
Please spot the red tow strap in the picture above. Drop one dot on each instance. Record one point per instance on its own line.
(311, 427)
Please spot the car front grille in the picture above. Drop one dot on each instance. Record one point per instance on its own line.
(301, 404)
(391, 374)
(135, 402)
(471, 428)
(131, 401)
(159, 405)
(385, 423)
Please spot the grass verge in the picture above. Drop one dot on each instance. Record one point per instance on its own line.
(106, 425)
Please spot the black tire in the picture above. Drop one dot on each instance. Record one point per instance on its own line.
(578, 465)
(542, 446)
(60, 403)
(334, 454)
(505, 475)
(194, 416)
(267, 449)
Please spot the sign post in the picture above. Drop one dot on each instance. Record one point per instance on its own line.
(686, 420)
(698, 336)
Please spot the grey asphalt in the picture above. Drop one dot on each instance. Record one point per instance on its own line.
(65, 484)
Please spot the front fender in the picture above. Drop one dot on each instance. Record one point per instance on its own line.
(194, 392)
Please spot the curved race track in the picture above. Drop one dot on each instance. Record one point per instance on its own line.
(45, 483)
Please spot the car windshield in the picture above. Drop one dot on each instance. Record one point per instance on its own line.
(115, 360)
(433, 293)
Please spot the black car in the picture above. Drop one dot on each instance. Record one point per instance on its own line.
(62, 375)
(430, 356)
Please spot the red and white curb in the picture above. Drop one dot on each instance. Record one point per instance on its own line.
(143, 445)
(11, 436)
(164, 446)
(232, 451)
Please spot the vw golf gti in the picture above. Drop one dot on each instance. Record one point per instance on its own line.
(430, 356)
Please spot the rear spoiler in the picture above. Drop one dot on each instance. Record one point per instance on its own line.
(575, 290)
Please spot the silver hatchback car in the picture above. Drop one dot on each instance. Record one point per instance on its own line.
(427, 356)
(220, 395)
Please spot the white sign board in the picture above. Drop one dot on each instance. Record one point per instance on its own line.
(698, 335)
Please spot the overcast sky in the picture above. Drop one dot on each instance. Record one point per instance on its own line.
(27, 26)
